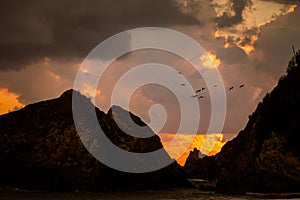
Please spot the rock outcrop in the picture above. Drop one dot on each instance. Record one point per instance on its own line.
(265, 156)
(206, 169)
(40, 149)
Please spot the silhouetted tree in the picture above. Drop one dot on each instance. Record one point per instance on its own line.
(294, 62)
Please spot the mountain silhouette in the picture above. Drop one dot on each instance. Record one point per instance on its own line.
(41, 150)
(265, 156)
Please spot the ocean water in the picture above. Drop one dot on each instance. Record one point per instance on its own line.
(183, 194)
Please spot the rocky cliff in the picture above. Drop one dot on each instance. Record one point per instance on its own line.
(40, 149)
(265, 156)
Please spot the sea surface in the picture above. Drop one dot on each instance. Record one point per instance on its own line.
(184, 194)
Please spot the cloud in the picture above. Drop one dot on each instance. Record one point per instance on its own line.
(239, 22)
(9, 101)
(256, 93)
(210, 60)
(229, 12)
(47, 40)
(232, 55)
(32, 30)
(40, 81)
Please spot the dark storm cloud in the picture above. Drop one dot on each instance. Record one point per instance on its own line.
(232, 55)
(275, 45)
(33, 29)
(238, 6)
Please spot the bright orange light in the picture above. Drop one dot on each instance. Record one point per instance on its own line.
(210, 60)
(248, 48)
(9, 101)
(210, 144)
(292, 8)
(84, 70)
(57, 77)
(88, 90)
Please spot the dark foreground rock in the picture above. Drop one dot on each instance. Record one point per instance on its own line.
(265, 156)
(41, 150)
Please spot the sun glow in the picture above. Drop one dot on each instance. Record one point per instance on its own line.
(9, 101)
(88, 90)
(210, 60)
(210, 144)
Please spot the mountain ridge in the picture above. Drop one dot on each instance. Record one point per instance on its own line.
(264, 157)
(42, 151)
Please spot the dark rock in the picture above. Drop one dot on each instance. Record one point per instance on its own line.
(41, 150)
(207, 166)
(265, 156)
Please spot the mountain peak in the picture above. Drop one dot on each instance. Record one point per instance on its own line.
(265, 156)
(42, 150)
(69, 93)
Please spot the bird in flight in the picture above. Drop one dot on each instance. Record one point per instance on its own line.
(182, 84)
(203, 88)
(231, 88)
(179, 72)
(242, 85)
(198, 91)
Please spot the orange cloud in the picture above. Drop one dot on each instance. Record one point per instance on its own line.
(89, 91)
(9, 101)
(255, 16)
(210, 144)
(55, 76)
(210, 60)
(256, 93)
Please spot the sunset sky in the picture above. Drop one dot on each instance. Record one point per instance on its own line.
(43, 43)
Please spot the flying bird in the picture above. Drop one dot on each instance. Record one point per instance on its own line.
(182, 84)
(179, 72)
(198, 91)
(231, 88)
(203, 88)
(242, 85)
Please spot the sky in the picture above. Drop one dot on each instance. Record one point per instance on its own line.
(43, 43)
